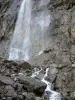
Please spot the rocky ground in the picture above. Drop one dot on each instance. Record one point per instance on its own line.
(16, 83)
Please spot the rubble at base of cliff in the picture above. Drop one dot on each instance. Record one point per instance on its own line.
(16, 83)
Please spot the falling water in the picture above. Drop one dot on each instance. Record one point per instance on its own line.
(30, 34)
(53, 95)
(21, 33)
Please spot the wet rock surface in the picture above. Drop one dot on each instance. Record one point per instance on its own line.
(52, 73)
(16, 85)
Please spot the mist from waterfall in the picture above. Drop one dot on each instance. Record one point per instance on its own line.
(21, 33)
(30, 36)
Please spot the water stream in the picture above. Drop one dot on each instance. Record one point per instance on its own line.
(53, 95)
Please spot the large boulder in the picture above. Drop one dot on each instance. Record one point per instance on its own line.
(32, 84)
(52, 73)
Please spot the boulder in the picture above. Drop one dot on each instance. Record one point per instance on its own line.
(40, 76)
(6, 80)
(22, 64)
(52, 73)
(33, 85)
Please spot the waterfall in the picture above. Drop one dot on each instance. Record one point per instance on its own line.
(30, 36)
(21, 33)
(53, 95)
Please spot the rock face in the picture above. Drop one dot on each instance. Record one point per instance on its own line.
(65, 82)
(62, 42)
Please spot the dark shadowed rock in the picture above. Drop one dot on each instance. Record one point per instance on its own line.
(32, 84)
(22, 64)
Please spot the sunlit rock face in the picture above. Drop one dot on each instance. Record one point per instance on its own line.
(31, 34)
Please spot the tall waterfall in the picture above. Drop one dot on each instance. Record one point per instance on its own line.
(30, 36)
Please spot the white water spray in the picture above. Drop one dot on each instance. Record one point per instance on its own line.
(52, 94)
(30, 36)
(21, 33)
